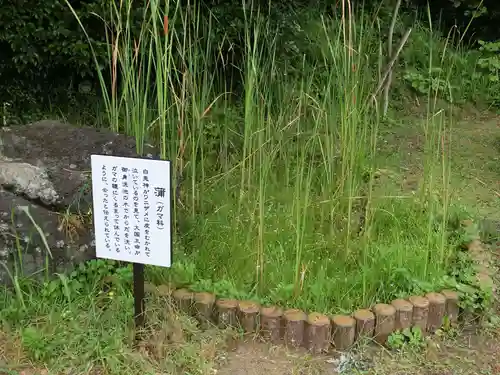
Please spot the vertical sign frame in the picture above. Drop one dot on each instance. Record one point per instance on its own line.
(132, 211)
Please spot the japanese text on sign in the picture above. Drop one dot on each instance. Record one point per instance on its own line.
(132, 209)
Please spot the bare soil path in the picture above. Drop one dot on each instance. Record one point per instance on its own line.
(472, 354)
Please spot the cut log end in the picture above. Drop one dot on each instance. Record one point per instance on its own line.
(183, 300)
(385, 320)
(419, 301)
(365, 323)
(402, 305)
(204, 305)
(420, 312)
(435, 298)
(204, 298)
(317, 338)
(164, 290)
(226, 312)
(437, 311)
(248, 312)
(344, 331)
(404, 314)
(294, 327)
(150, 288)
(271, 324)
(452, 308)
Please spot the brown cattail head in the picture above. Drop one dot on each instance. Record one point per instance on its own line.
(165, 25)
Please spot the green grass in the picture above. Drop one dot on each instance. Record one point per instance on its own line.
(475, 175)
(299, 193)
(280, 200)
(83, 323)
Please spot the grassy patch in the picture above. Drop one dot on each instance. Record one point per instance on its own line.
(294, 191)
(287, 196)
(83, 322)
(474, 178)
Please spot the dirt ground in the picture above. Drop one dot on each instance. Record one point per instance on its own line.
(472, 354)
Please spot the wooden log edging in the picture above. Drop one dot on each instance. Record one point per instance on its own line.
(314, 331)
(317, 332)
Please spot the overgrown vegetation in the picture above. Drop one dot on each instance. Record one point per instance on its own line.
(278, 131)
(84, 321)
(287, 191)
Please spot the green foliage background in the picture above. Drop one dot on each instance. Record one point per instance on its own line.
(45, 55)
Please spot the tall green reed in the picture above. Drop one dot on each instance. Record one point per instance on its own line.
(304, 174)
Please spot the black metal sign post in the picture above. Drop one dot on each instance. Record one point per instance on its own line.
(139, 305)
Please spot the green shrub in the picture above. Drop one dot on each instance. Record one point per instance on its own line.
(40, 37)
(45, 55)
(490, 62)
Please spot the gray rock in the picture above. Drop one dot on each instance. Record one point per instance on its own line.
(28, 180)
(62, 152)
(34, 240)
(45, 194)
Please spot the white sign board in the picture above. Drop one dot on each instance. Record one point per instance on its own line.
(132, 202)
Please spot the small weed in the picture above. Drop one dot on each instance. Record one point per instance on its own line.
(430, 82)
(73, 224)
(407, 338)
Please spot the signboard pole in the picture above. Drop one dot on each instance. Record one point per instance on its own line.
(139, 305)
